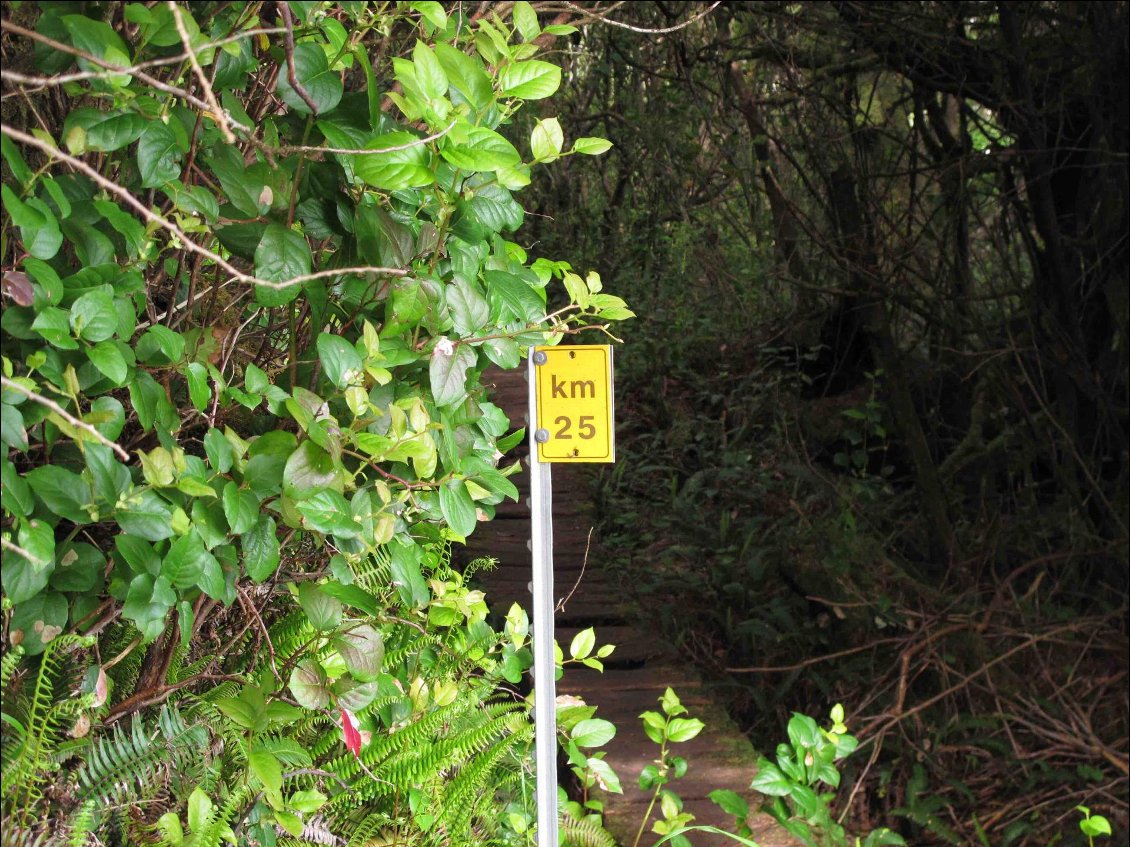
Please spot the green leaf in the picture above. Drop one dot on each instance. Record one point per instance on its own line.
(429, 72)
(110, 477)
(448, 374)
(480, 149)
(313, 73)
(466, 75)
(115, 132)
(146, 515)
(593, 732)
(526, 20)
(39, 230)
(684, 729)
(340, 360)
(37, 622)
(308, 471)
(241, 508)
(12, 429)
(323, 611)
(328, 512)
(770, 781)
(406, 575)
(147, 604)
(457, 506)
(199, 811)
(395, 169)
(266, 767)
(531, 80)
(582, 644)
(93, 315)
(282, 255)
(362, 649)
(546, 140)
(242, 191)
(309, 685)
(78, 567)
(158, 156)
(592, 146)
(61, 491)
(15, 493)
(106, 356)
(186, 562)
(196, 375)
(261, 549)
(730, 802)
(24, 578)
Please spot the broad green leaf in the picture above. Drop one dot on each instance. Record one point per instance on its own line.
(106, 356)
(468, 307)
(582, 643)
(457, 506)
(323, 611)
(267, 768)
(37, 622)
(196, 375)
(448, 374)
(94, 316)
(526, 20)
(55, 327)
(531, 80)
(61, 491)
(593, 732)
(429, 72)
(340, 360)
(158, 156)
(362, 649)
(148, 602)
(406, 575)
(480, 149)
(241, 508)
(308, 471)
(395, 169)
(354, 695)
(110, 477)
(546, 140)
(261, 549)
(591, 146)
(241, 189)
(684, 729)
(115, 132)
(466, 75)
(432, 12)
(313, 73)
(39, 230)
(185, 563)
(770, 781)
(309, 685)
(15, 493)
(147, 515)
(78, 567)
(12, 429)
(329, 512)
(282, 255)
(23, 579)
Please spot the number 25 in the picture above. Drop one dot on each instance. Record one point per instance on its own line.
(585, 428)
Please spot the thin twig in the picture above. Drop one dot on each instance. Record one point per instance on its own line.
(644, 30)
(209, 94)
(15, 548)
(584, 562)
(291, 71)
(65, 415)
(189, 244)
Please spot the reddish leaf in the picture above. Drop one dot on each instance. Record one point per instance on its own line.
(350, 729)
(17, 286)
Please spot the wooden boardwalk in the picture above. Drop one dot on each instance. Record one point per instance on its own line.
(640, 669)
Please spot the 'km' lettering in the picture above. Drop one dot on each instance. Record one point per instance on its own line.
(578, 388)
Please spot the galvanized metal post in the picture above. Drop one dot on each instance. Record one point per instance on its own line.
(545, 699)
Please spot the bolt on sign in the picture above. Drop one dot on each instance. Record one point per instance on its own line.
(574, 403)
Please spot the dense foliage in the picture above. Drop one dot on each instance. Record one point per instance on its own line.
(875, 409)
(256, 257)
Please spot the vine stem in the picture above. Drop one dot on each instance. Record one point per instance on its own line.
(654, 797)
(65, 415)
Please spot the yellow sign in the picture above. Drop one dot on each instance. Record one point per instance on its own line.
(574, 403)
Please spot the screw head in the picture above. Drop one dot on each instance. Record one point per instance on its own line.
(541, 436)
(540, 358)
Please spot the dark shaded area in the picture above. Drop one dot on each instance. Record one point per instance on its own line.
(874, 415)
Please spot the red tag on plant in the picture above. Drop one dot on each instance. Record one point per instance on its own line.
(350, 729)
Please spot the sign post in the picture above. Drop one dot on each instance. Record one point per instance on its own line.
(571, 418)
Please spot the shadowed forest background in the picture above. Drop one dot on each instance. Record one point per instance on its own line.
(872, 409)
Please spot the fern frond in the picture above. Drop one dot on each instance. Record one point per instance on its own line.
(124, 762)
(9, 663)
(588, 831)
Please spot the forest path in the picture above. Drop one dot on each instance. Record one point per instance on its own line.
(636, 674)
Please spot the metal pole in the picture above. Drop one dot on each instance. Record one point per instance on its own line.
(545, 700)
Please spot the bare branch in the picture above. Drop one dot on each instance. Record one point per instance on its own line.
(65, 415)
